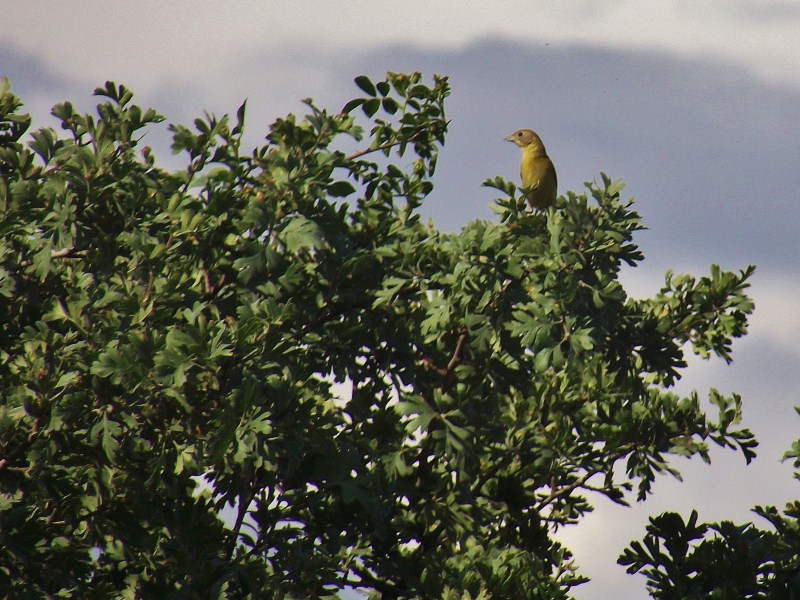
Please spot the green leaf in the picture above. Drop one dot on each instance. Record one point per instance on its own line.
(106, 433)
(370, 107)
(301, 233)
(340, 189)
(390, 105)
(240, 114)
(45, 144)
(352, 105)
(363, 82)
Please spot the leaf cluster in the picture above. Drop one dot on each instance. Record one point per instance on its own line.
(687, 559)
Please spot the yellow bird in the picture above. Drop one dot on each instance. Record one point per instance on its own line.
(536, 169)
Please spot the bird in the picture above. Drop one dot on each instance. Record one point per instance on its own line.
(536, 169)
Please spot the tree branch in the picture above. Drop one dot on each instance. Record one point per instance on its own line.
(457, 353)
(237, 526)
(368, 580)
(383, 146)
(555, 494)
(558, 493)
(62, 253)
(454, 359)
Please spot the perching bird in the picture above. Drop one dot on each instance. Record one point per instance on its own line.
(536, 169)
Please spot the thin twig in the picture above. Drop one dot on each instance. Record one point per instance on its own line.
(61, 253)
(457, 353)
(383, 146)
(557, 493)
(237, 526)
(427, 362)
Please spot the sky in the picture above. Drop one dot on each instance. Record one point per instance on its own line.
(695, 105)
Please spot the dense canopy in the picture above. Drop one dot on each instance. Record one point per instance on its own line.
(264, 376)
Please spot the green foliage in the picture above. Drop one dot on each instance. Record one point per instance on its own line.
(722, 560)
(380, 404)
(690, 560)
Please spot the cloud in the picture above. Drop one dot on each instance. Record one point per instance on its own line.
(149, 41)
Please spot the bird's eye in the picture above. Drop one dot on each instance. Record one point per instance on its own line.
(519, 134)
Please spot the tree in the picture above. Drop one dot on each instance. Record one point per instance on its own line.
(276, 334)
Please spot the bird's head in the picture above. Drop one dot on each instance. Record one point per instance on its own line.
(525, 138)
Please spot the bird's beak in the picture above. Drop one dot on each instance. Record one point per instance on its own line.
(510, 138)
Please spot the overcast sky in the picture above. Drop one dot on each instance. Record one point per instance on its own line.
(696, 105)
